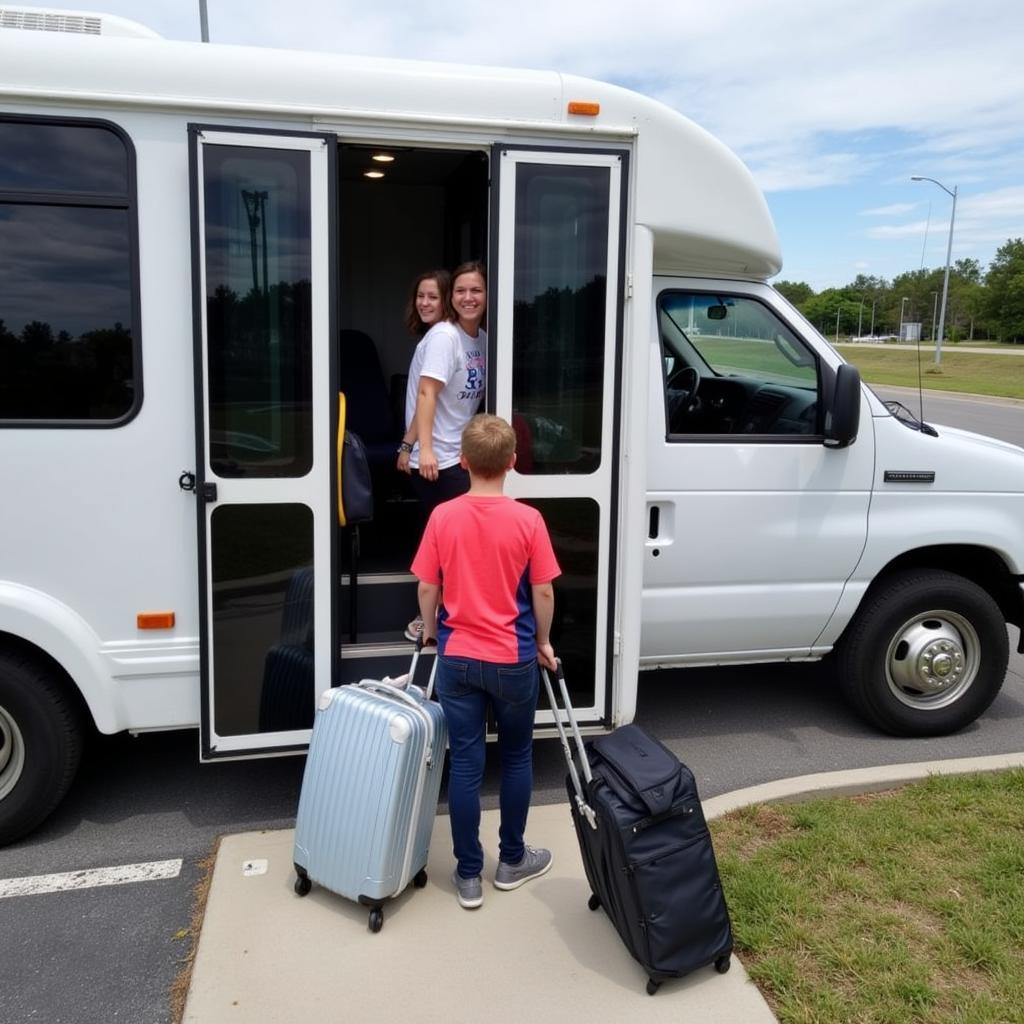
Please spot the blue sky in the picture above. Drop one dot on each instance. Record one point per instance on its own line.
(833, 105)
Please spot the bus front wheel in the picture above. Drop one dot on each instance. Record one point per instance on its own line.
(925, 655)
(40, 745)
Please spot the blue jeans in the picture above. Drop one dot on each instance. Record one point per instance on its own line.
(467, 688)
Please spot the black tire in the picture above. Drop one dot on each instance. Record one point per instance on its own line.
(723, 963)
(40, 745)
(925, 655)
(652, 986)
(420, 878)
(594, 902)
(376, 921)
(302, 886)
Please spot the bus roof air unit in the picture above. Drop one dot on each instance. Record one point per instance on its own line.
(88, 23)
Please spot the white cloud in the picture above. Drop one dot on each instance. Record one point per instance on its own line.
(789, 166)
(892, 210)
(982, 221)
(918, 227)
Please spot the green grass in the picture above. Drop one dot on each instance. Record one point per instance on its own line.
(896, 908)
(975, 373)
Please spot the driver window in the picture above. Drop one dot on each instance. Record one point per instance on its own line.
(731, 366)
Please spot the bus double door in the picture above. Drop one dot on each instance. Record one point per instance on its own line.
(276, 568)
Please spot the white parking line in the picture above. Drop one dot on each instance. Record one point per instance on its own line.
(34, 885)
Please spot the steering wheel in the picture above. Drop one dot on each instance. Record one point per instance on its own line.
(682, 389)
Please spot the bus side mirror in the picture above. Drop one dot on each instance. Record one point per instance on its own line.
(842, 408)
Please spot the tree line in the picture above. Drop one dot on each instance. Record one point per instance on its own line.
(987, 304)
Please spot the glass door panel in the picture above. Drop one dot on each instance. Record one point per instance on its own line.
(258, 308)
(266, 427)
(557, 331)
(262, 587)
(559, 312)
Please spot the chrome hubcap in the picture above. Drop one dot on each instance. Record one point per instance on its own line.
(12, 753)
(932, 660)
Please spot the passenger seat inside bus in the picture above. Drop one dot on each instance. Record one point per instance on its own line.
(286, 697)
(367, 398)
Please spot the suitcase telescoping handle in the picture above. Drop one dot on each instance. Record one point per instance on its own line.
(415, 659)
(581, 801)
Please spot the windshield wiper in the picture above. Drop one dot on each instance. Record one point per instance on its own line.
(907, 418)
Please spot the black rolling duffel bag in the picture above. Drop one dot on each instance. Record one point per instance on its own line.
(646, 848)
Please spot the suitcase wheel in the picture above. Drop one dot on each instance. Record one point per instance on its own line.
(420, 878)
(302, 884)
(376, 921)
(652, 986)
(594, 902)
(723, 963)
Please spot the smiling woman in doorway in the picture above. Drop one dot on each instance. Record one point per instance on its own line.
(429, 303)
(446, 386)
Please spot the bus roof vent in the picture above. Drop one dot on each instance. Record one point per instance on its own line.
(42, 19)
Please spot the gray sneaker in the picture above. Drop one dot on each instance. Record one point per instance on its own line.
(468, 891)
(534, 864)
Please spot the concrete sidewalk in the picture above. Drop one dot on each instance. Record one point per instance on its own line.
(265, 956)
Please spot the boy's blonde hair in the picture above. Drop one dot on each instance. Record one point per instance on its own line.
(488, 443)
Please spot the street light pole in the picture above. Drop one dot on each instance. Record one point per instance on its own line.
(873, 318)
(949, 254)
(204, 24)
(839, 309)
(935, 306)
(903, 305)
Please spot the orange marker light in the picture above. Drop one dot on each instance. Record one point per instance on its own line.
(155, 620)
(587, 109)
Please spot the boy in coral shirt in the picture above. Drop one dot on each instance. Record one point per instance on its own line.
(494, 558)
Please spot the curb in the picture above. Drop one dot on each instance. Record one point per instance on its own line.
(852, 782)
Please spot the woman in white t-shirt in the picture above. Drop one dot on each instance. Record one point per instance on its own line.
(430, 302)
(445, 390)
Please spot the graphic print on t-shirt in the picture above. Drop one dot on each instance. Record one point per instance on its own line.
(446, 353)
(474, 375)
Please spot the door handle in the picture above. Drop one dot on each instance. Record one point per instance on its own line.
(654, 523)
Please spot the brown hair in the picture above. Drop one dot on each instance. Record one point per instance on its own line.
(488, 444)
(470, 267)
(415, 325)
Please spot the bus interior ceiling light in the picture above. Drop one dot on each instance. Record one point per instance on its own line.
(383, 158)
(373, 174)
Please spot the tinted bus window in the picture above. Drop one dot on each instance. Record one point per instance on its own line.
(56, 157)
(68, 332)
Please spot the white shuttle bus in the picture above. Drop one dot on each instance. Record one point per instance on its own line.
(202, 246)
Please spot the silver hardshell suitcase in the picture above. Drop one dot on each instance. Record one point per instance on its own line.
(369, 791)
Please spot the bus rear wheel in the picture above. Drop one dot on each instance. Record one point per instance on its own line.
(40, 745)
